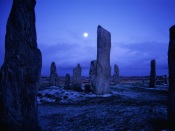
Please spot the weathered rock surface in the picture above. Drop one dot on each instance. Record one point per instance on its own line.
(171, 90)
(21, 70)
(116, 75)
(67, 82)
(76, 80)
(93, 70)
(101, 81)
(54, 80)
(152, 82)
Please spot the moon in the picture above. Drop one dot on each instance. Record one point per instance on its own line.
(85, 34)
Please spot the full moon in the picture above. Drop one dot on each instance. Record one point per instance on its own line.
(85, 34)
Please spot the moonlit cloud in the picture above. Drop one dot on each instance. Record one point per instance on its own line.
(137, 56)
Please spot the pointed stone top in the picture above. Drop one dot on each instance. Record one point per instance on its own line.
(78, 66)
(93, 61)
(99, 26)
(172, 32)
(172, 28)
(102, 30)
(115, 65)
(53, 63)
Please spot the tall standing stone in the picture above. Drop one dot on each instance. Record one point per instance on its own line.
(101, 81)
(21, 70)
(152, 81)
(165, 79)
(171, 90)
(76, 80)
(93, 70)
(67, 82)
(143, 80)
(54, 80)
(116, 75)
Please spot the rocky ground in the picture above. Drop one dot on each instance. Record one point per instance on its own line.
(131, 106)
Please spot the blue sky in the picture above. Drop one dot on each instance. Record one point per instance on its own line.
(139, 33)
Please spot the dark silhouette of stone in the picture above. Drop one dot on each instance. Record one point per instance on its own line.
(76, 80)
(93, 70)
(0, 77)
(54, 80)
(67, 82)
(143, 80)
(40, 95)
(116, 75)
(110, 71)
(87, 88)
(165, 79)
(152, 81)
(100, 83)
(21, 70)
(171, 90)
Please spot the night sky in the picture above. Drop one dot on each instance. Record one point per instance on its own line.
(139, 33)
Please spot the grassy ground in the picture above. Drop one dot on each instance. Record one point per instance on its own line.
(130, 107)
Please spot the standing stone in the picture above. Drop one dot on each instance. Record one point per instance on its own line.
(101, 81)
(111, 78)
(76, 80)
(54, 81)
(152, 82)
(67, 82)
(165, 79)
(21, 70)
(116, 75)
(87, 88)
(92, 70)
(0, 79)
(143, 80)
(171, 90)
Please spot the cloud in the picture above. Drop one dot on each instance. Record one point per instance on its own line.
(132, 58)
(67, 55)
(137, 56)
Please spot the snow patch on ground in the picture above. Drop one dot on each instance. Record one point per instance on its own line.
(129, 107)
(53, 94)
(57, 94)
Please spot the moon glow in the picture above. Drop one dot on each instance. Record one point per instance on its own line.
(85, 34)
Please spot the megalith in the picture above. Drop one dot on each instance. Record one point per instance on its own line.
(152, 81)
(143, 80)
(92, 71)
(67, 82)
(76, 80)
(116, 75)
(101, 81)
(165, 79)
(21, 70)
(171, 90)
(54, 80)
